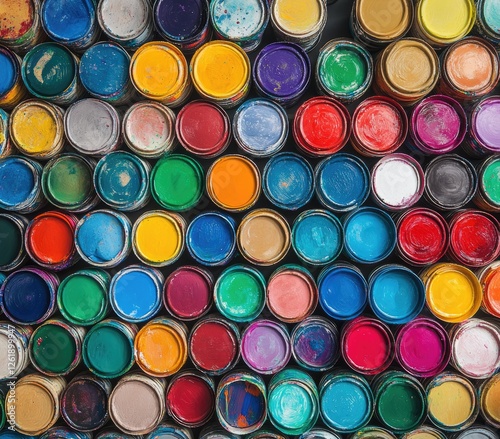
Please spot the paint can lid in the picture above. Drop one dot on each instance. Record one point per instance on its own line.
(124, 21)
(489, 180)
(9, 70)
(12, 231)
(482, 126)
(384, 25)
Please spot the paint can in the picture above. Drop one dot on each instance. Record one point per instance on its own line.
(108, 348)
(171, 431)
(82, 297)
(422, 236)
(371, 432)
(452, 402)
(489, 280)
(474, 238)
(214, 345)
(482, 139)
(487, 21)
(50, 72)
(158, 238)
(441, 23)
(5, 143)
(292, 294)
(265, 346)
(488, 191)
(260, 127)
(317, 237)
(159, 72)
(477, 431)
(221, 73)
(137, 404)
(281, 72)
(104, 73)
(319, 433)
(343, 291)
(128, 23)
(55, 347)
(102, 238)
(108, 433)
(241, 402)
(14, 340)
(233, 183)
(396, 294)
(203, 129)
(379, 126)
(188, 292)
(423, 348)
(369, 235)
(489, 395)
(453, 292)
(377, 24)
(241, 24)
(72, 23)
(44, 393)
(465, 80)
(417, 80)
(400, 401)
(177, 182)
(211, 238)
(424, 432)
(267, 433)
(438, 125)
(12, 231)
(190, 398)
(36, 129)
(67, 182)
(240, 293)
(12, 89)
(135, 293)
(342, 182)
(299, 22)
(367, 345)
(21, 28)
(92, 127)
(183, 23)
(293, 401)
(58, 252)
(215, 431)
(315, 344)
(288, 181)
(29, 295)
(161, 347)
(121, 180)
(397, 182)
(263, 237)
(346, 401)
(64, 432)
(149, 129)
(475, 348)
(344, 70)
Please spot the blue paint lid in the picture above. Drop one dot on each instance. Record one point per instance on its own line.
(288, 181)
(343, 291)
(211, 238)
(19, 181)
(342, 182)
(317, 236)
(396, 294)
(121, 180)
(9, 434)
(135, 293)
(180, 20)
(104, 70)
(67, 21)
(9, 70)
(260, 127)
(369, 235)
(346, 401)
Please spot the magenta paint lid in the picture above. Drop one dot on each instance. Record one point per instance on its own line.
(484, 123)
(265, 347)
(423, 347)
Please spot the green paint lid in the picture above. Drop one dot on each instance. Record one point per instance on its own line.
(490, 180)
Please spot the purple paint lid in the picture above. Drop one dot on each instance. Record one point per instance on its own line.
(265, 347)
(484, 123)
(282, 71)
(438, 125)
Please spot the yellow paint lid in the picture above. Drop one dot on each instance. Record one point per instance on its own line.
(384, 20)
(299, 18)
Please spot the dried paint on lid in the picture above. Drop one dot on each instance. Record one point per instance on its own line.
(382, 21)
(17, 18)
(124, 21)
(490, 400)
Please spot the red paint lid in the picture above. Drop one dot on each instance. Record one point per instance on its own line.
(423, 236)
(321, 126)
(367, 345)
(213, 346)
(379, 125)
(188, 292)
(203, 128)
(474, 238)
(190, 399)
